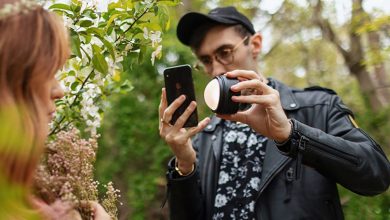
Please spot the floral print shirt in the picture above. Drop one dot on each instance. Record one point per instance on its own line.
(242, 159)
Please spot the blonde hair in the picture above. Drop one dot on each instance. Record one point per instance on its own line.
(33, 46)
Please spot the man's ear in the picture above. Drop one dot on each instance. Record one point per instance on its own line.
(256, 41)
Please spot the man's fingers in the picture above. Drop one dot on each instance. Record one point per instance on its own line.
(201, 125)
(163, 103)
(257, 84)
(247, 74)
(264, 100)
(186, 114)
(168, 112)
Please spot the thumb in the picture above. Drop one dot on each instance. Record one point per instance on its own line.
(99, 212)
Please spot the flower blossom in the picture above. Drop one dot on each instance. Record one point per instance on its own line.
(156, 53)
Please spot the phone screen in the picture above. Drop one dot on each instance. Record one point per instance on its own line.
(178, 81)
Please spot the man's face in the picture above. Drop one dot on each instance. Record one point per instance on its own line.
(217, 43)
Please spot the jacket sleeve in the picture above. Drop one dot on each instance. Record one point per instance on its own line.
(184, 194)
(343, 153)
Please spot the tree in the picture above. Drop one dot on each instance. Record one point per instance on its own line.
(355, 54)
(104, 44)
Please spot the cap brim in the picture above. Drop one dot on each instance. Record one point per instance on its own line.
(191, 21)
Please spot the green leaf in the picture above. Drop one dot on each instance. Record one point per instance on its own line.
(155, 10)
(164, 18)
(60, 6)
(168, 3)
(74, 86)
(98, 60)
(86, 23)
(129, 60)
(71, 73)
(126, 87)
(108, 45)
(112, 18)
(75, 44)
(94, 30)
(75, 8)
(136, 30)
(141, 55)
(89, 13)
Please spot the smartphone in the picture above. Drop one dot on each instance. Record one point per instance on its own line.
(178, 81)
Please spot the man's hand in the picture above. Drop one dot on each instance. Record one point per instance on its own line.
(177, 137)
(266, 116)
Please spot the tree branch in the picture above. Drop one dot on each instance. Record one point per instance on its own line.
(57, 126)
(327, 30)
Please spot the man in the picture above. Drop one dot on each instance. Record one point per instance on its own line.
(280, 159)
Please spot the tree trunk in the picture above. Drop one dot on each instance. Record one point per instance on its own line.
(374, 43)
(354, 56)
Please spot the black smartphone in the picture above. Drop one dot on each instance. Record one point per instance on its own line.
(178, 81)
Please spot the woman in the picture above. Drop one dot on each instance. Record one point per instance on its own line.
(33, 46)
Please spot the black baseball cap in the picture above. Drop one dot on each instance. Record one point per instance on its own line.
(225, 15)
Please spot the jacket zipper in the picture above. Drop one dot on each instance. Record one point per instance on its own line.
(298, 160)
(330, 152)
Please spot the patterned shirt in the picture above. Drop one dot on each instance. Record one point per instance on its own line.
(242, 159)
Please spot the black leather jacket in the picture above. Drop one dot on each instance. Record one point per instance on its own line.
(298, 179)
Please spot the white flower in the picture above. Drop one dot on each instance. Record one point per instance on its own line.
(255, 183)
(87, 101)
(95, 123)
(84, 72)
(236, 159)
(231, 191)
(92, 126)
(92, 110)
(241, 137)
(102, 6)
(231, 136)
(155, 37)
(148, 3)
(65, 88)
(223, 177)
(156, 53)
(252, 140)
(252, 206)
(218, 216)
(129, 46)
(242, 171)
(262, 153)
(99, 81)
(146, 33)
(220, 200)
(246, 192)
(257, 168)
(68, 22)
(70, 79)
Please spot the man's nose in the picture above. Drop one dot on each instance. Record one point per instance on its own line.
(218, 69)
